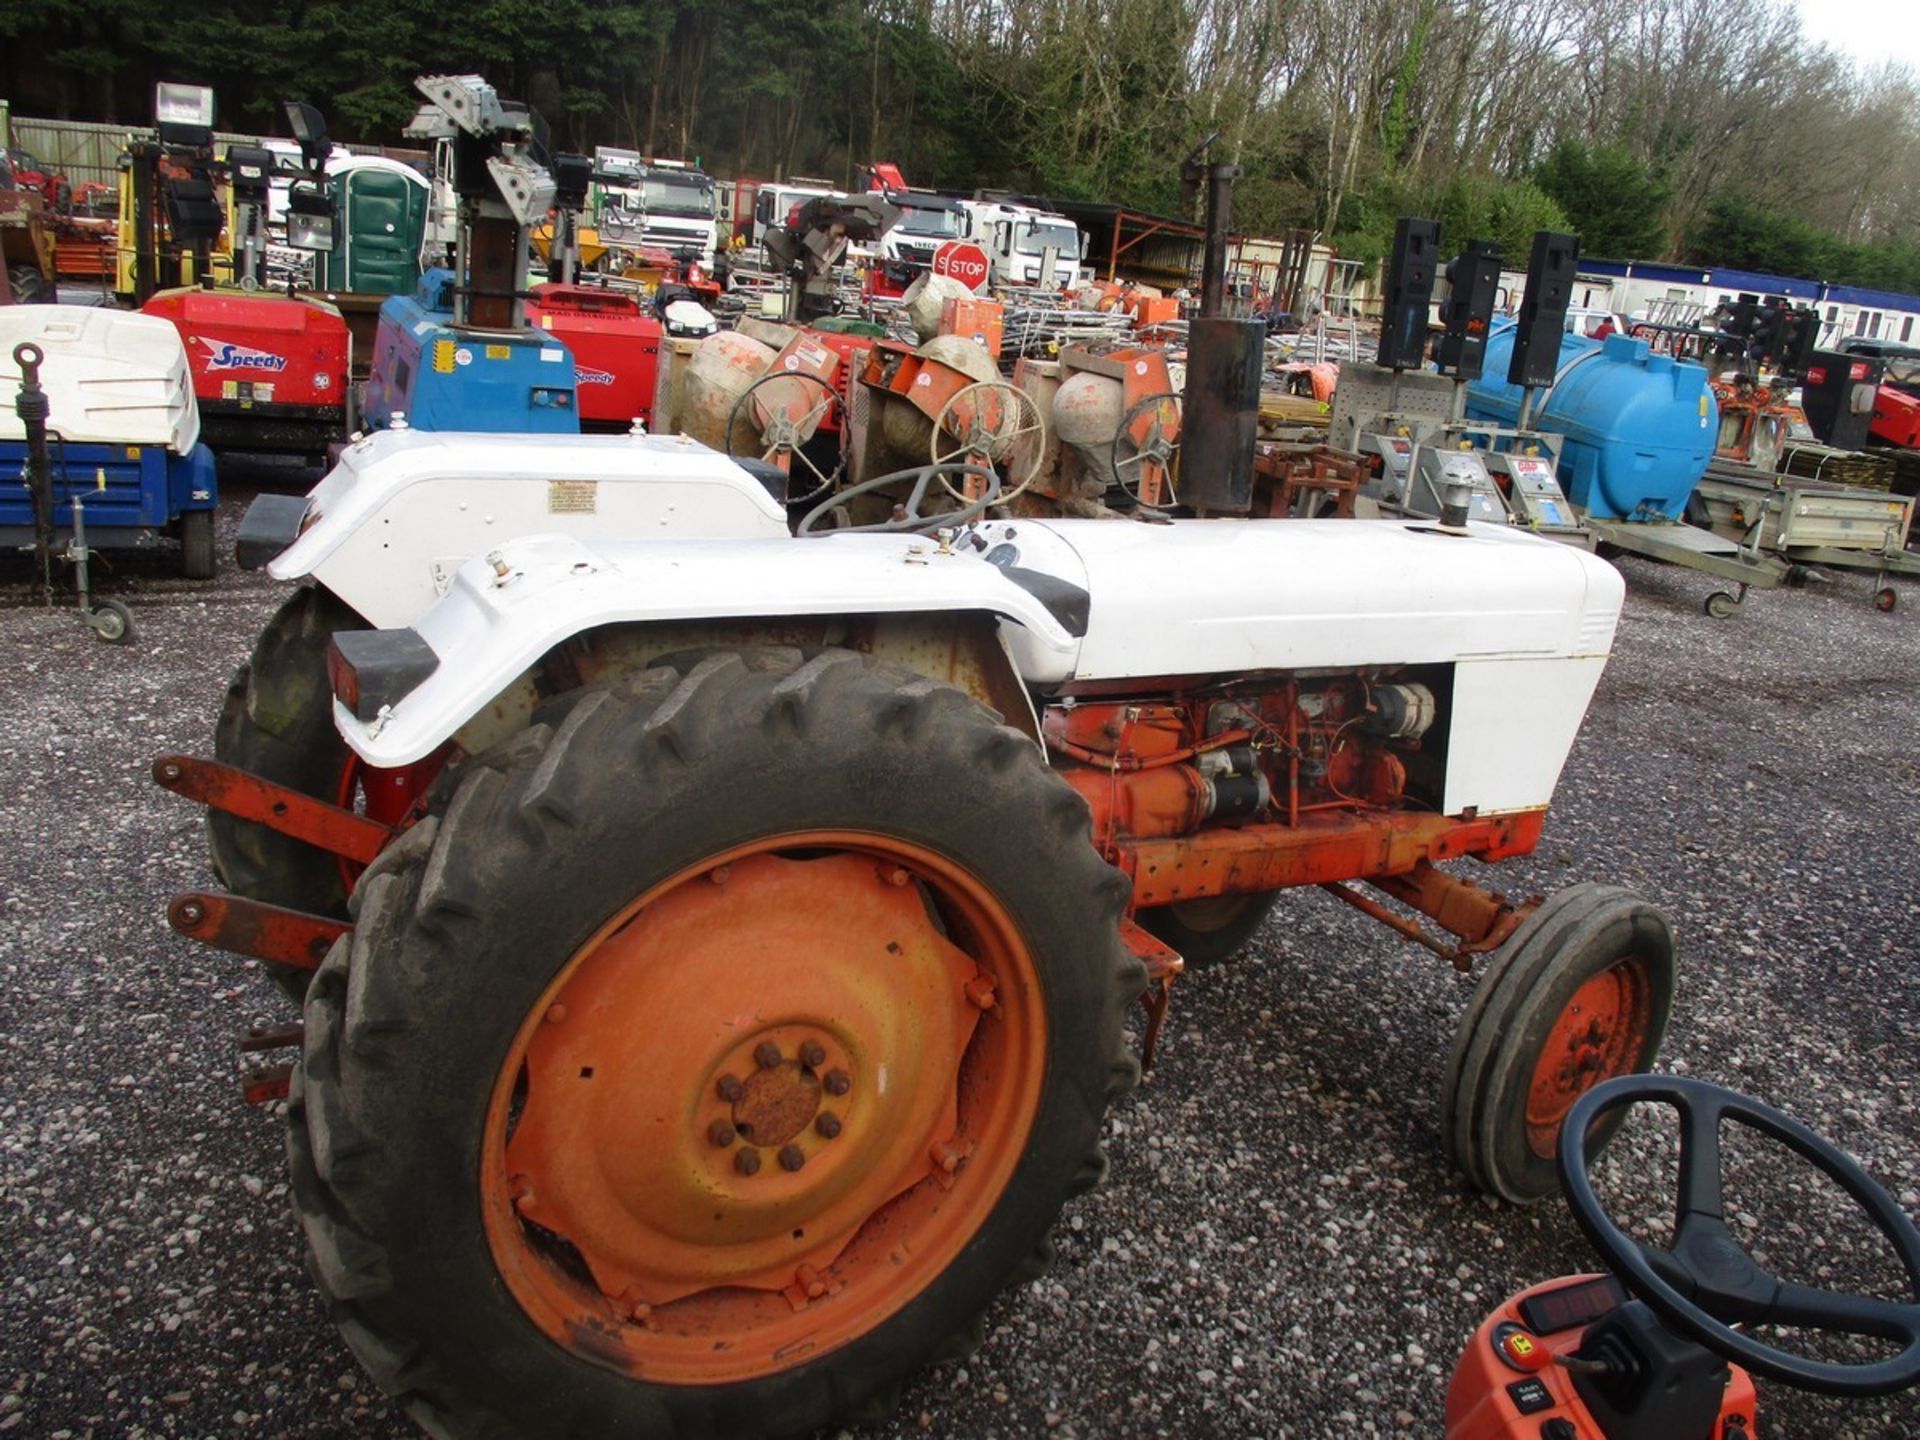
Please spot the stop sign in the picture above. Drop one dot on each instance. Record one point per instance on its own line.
(962, 260)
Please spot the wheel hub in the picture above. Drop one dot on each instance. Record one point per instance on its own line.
(776, 1105)
(1595, 1037)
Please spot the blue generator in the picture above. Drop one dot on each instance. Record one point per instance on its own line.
(441, 375)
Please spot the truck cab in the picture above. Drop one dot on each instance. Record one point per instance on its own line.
(927, 221)
(1019, 238)
(775, 201)
(666, 204)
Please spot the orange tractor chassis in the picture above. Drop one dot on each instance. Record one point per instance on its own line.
(1392, 851)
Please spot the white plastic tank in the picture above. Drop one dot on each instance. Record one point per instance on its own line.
(113, 377)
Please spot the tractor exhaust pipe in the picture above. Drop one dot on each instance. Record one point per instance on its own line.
(1226, 358)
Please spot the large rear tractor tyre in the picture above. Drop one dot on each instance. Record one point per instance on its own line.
(277, 722)
(1210, 930)
(713, 1058)
(1579, 994)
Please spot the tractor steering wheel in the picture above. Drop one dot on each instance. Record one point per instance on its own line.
(1707, 1283)
(907, 514)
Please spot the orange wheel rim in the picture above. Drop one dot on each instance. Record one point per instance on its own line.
(763, 1108)
(1600, 1033)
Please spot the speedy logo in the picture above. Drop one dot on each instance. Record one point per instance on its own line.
(592, 377)
(225, 355)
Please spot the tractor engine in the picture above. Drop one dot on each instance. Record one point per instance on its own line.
(1162, 768)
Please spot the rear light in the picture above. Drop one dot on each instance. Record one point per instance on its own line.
(371, 670)
(342, 680)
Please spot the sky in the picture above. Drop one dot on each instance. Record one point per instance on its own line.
(1867, 30)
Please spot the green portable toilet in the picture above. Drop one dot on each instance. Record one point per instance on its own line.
(382, 207)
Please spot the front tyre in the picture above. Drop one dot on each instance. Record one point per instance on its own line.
(1581, 993)
(734, 1041)
(1211, 929)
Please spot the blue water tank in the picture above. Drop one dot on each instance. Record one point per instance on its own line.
(1640, 427)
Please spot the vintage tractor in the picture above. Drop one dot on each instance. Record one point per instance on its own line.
(745, 1127)
(740, 927)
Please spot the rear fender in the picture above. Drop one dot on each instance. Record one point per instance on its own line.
(542, 615)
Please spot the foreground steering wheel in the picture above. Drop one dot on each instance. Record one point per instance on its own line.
(1707, 1283)
(907, 514)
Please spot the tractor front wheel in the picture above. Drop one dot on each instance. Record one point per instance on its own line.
(713, 1058)
(1212, 929)
(1580, 993)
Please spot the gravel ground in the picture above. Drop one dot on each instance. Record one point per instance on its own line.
(1280, 1250)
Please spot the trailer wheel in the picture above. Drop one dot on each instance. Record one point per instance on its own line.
(1212, 929)
(1579, 994)
(713, 1059)
(1721, 604)
(1886, 599)
(196, 544)
(112, 622)
(277, 722)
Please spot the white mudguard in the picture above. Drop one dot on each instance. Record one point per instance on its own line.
(388, 526)
(1525, 623)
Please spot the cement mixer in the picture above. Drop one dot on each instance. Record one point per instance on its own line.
(1115, 433)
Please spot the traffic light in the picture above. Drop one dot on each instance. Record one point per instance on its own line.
(1473, 277)
(1799, 333)
(1764, 345)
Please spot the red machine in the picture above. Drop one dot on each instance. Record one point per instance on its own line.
(1663, 1347)
(616, 351)
(1896, 418)
(269, 371)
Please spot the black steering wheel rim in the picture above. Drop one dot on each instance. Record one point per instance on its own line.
(1707, 1271)
(912, 520)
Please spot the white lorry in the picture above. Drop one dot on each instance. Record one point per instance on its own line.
(664, 204)
(1021, 241)
(775, 201)
(927, 221)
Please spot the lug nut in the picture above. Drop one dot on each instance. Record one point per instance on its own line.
(813, 1053)
(729, 1088)
(898, 876)
(828, 1124)
(720, 1133)
(792, 1157)
(747, 1162)
(556, 1012)
(838, 1082)
(766, 1054)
